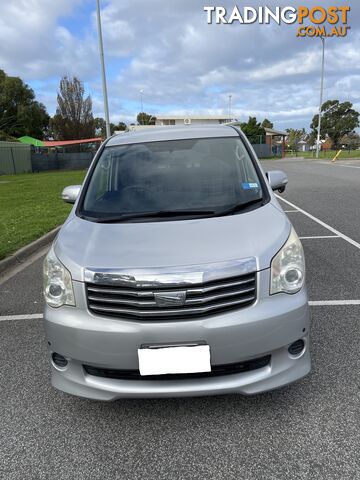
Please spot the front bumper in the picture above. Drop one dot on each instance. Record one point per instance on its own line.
(268, 326)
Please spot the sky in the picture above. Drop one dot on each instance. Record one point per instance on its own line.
(182, 64)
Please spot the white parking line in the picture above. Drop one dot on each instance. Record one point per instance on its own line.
(322, 303)
(291, 211)
(333, 164)
(346, 166)
(320, 236)
(320, 222)
(32, 316)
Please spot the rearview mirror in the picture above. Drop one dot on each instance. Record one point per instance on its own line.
(70, 194)
(277, 179)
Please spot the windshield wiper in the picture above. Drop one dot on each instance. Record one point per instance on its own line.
(239, 207)
(154, 214)
(176, 213)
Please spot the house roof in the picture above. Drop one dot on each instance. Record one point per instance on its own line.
(31, 141)
(61, 143)
(274, 133)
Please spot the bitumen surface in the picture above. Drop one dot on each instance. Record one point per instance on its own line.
(308, 430)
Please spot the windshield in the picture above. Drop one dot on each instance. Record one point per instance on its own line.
(178, 177)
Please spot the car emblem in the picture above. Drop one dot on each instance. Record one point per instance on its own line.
(170, 299)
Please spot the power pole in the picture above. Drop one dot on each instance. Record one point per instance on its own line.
(141, 105)
(103, 74)
(321, 97)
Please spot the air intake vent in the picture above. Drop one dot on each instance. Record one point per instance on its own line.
(216, 371)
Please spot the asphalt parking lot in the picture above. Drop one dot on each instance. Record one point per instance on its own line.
(309, 430)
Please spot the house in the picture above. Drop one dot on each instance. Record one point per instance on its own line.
(303, 146)
(274, 137)
(326, 144)
(166, 119)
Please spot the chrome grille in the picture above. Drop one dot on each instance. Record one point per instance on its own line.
(201, 299)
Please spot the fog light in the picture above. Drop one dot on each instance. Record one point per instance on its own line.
(59, 360)
(297, 347)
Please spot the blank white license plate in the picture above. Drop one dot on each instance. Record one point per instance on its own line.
(178, 359)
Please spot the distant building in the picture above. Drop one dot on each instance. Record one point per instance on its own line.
(166, 120)
(326, 144)
(303, 146)
(275, 139)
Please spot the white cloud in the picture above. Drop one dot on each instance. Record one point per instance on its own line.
(34, 46)
(183, 64)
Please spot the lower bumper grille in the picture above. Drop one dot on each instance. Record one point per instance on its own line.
(217, 371)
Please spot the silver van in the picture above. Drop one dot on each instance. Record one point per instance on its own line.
(176, 273)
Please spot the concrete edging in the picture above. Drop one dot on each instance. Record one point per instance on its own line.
(24, 253)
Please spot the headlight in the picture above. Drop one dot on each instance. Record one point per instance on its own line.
(288, 267)
(58, 288)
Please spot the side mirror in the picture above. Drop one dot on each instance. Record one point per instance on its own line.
(277, 179)
(70, 194)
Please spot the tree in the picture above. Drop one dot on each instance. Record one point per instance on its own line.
(294, 137)
(73, 119)
(4, 137)
(267, 124)
(145, 119)
(121, 126)
(100, 127)
(20, 113)
(311, 138)
(350, 140)
(253, 130)
(337, 120)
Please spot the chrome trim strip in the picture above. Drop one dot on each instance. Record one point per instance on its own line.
(218, 296)
(175, 276)
(220, 286)
(118, 291)
(132, 303)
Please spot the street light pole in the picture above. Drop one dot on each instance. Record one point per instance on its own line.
(103, 74)
(321, 97)
(141, 103)
(230, 108)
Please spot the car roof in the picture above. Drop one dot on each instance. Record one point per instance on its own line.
(159, 134)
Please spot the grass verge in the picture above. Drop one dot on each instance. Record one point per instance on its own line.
(30, 206)
(329, 154)
(325, 154)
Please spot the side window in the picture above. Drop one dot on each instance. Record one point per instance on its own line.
(250, 185)
(248, 170)
(104, 176)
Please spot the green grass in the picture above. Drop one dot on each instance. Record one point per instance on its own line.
(329, 154)
(30, 206)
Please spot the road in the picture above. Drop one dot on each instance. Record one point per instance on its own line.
(309, 430)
